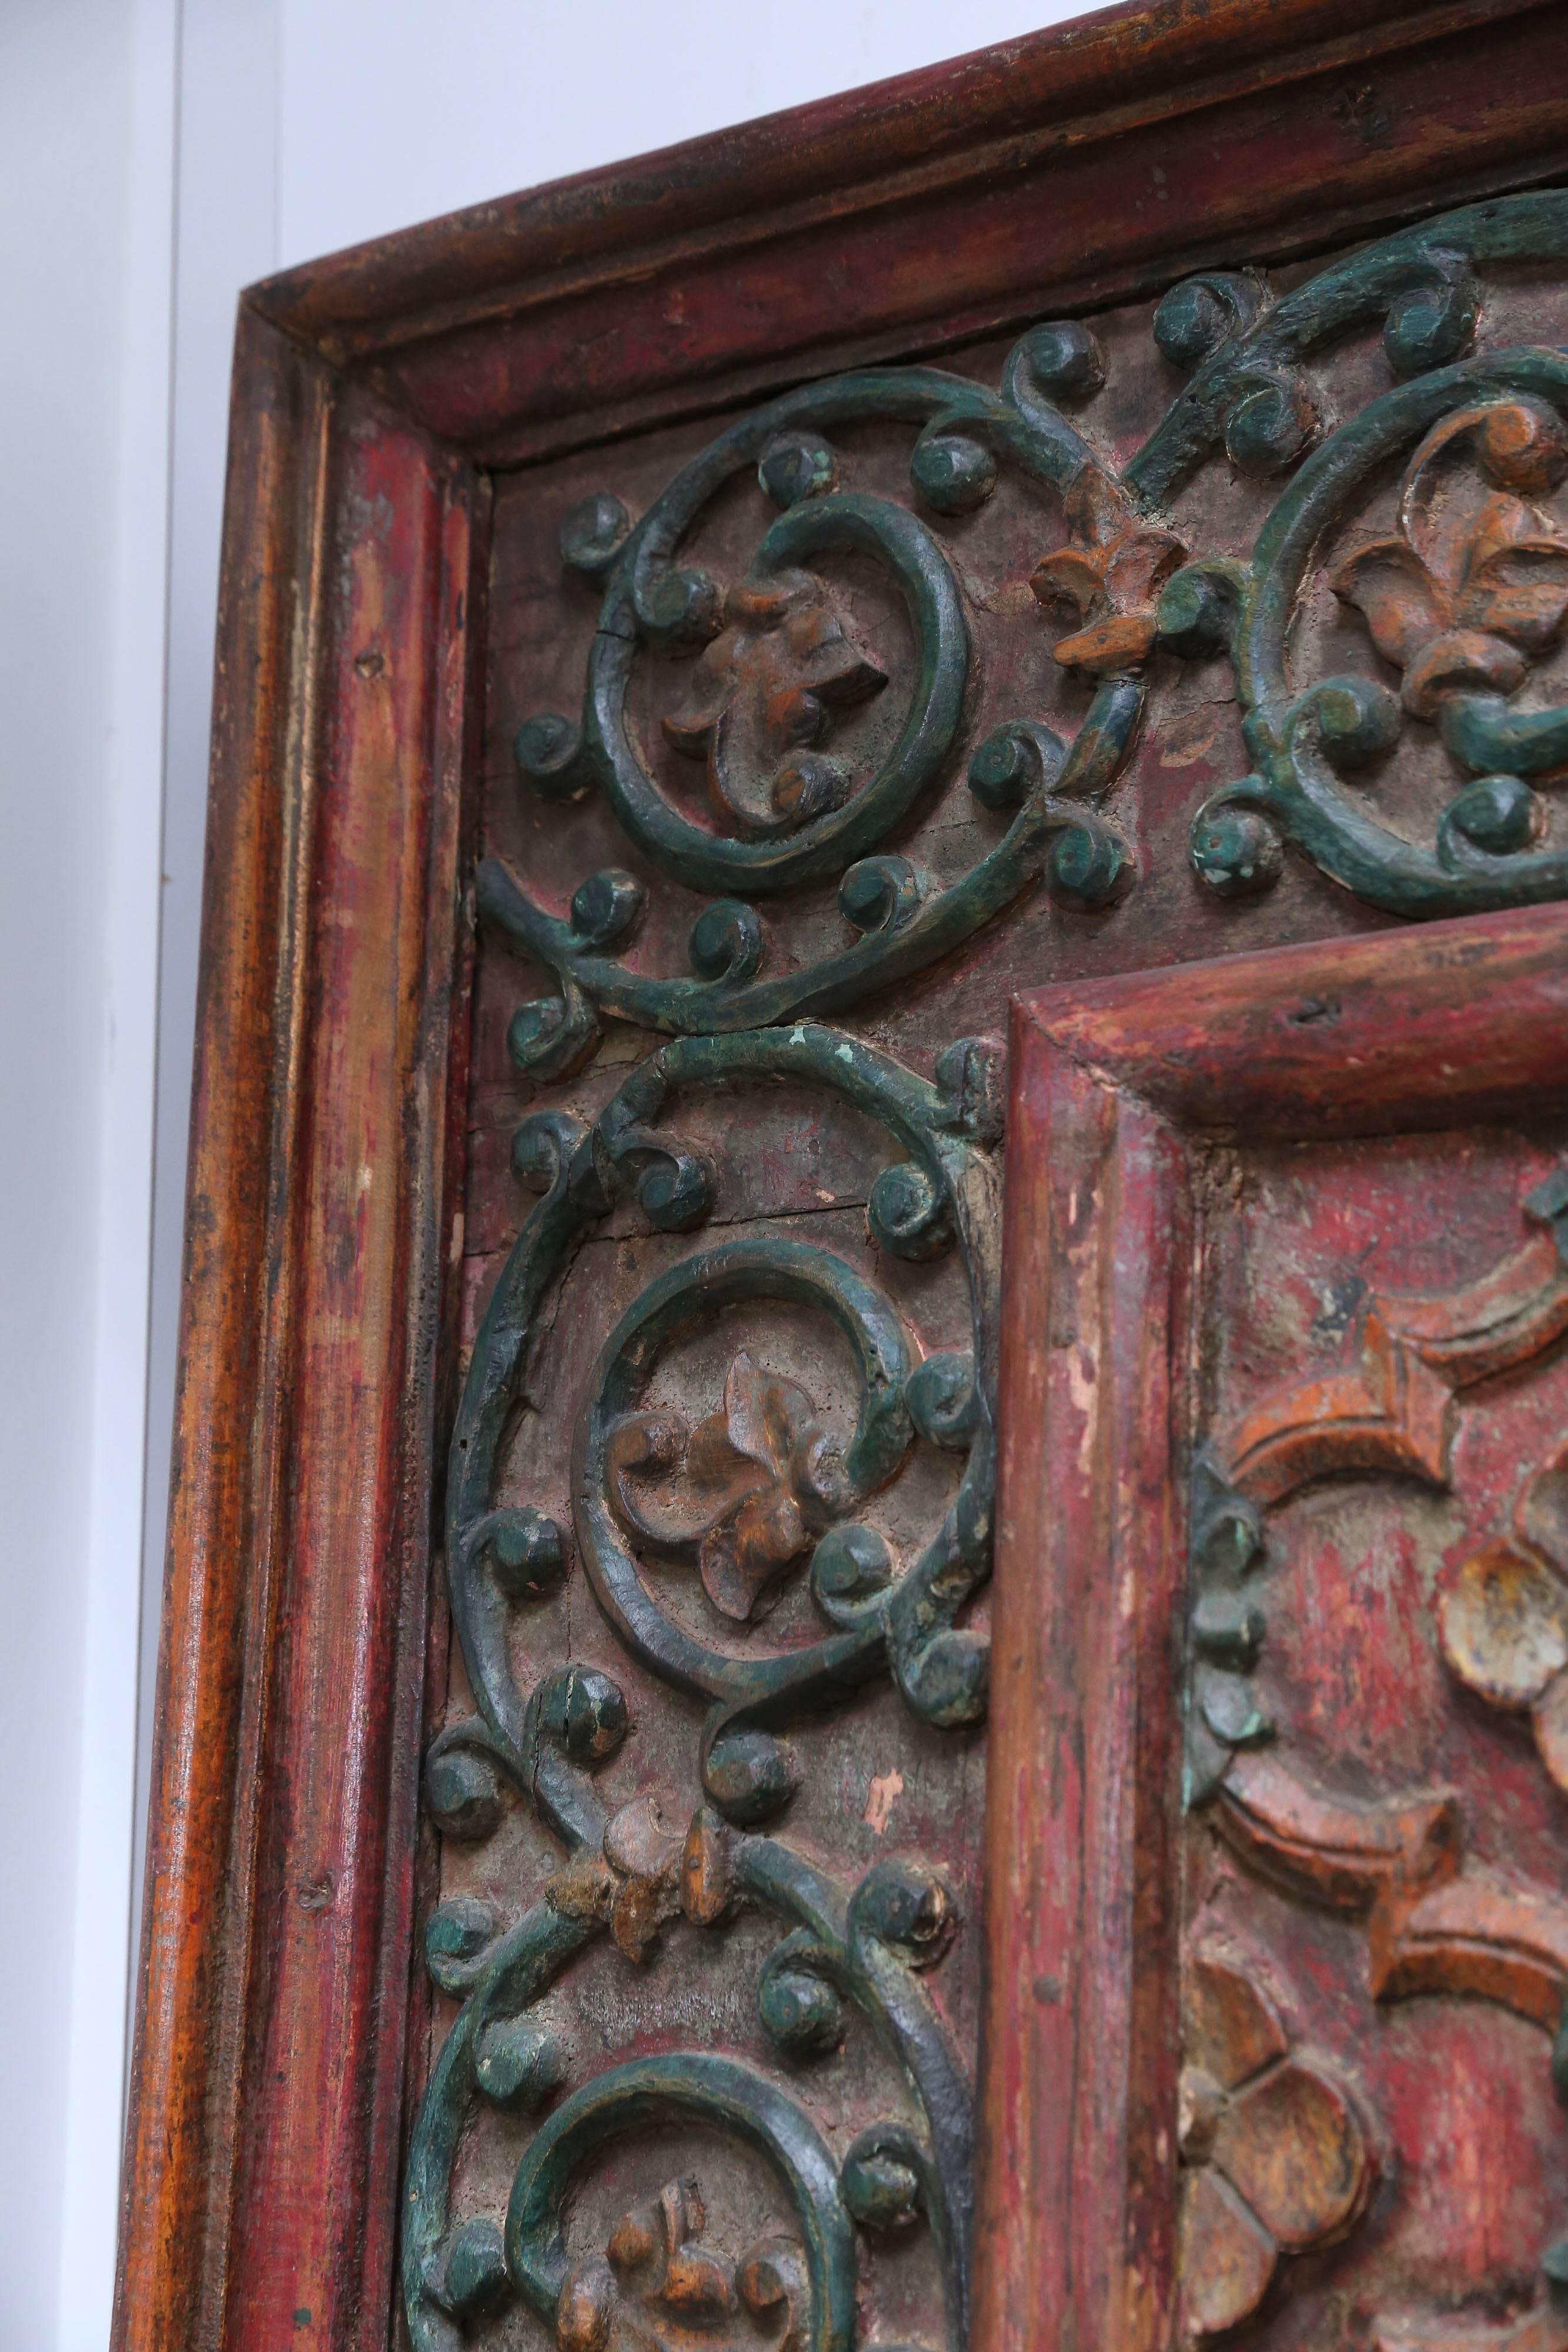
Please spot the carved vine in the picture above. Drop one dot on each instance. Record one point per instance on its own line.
(745, 1494)
(1463, 601)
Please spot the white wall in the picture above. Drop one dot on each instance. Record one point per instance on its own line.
(156, 155)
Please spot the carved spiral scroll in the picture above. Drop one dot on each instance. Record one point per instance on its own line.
(1307, 743)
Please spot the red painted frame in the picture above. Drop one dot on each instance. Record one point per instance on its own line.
(1111, 1085)
(370, 393)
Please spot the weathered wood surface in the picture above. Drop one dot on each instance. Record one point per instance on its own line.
(275, 1979)
(1060, 171)
(353, 1209)
(1368, 1421)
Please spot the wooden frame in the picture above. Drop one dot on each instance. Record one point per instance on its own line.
(371, 395)
(1112, 1087)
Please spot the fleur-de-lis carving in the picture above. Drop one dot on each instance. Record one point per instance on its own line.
(1466, 595)
(1275, 2159)
(1112, 571)
(764, 693)
(743, 1489)
(656, 2288)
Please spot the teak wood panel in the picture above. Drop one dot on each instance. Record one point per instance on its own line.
(1279, 1596)
(659, 1729)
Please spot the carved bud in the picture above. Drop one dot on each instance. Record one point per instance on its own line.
(972, 1075)
(526, 1553)
(907, 1213)
(1198, 609)
(705, 1888)
(1066, 358)
(606, 909)
(462, 1792)
(1497, 814)
(850, 1566)
(478, 2286)
(727, 941)
(907, 1907)
(947, 1678)
(750, 1775)
(1236, 850)
(516, 2065)
(796, 466)
(1434, 321)
(592, 534)
(799, 2010)
(1357, 719)
(550, 752)
(456, 1934)
(879, 2181)
(1195, 317)
(1014, 761)
(587, 2308)
(592, 1714)
(1270, 423)
(940, 1394)
(952, 473)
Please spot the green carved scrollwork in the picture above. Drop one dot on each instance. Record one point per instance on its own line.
(819, 826)
(945, 1195)
(1463, 612)
(868, 1946)
(1463, 599)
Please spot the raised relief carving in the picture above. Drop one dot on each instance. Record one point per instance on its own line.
(1465, 600)
(1274, 2158)
(1436, 1921)
(742, 1492)
(739, 1543)
(656, 2288)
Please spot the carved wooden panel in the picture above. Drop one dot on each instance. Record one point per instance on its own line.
(1279, 1837)
(812, 734)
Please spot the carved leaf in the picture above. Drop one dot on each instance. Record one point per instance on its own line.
(1226, 2256)
(745, 1494)
(1291, 2143)
(1232, 2029)
(1275, 2156)
(1114, 583)
(766, 688)
(645, 1855)
(1516, 574)
(1463, 611)
(1403, 605)
(1504, 1623)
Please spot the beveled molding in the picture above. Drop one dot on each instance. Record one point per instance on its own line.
(274, 1990)
(1050, 174)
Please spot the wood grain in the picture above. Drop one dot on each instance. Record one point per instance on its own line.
(270, 2037)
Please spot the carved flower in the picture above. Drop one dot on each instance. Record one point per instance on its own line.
(1275, 2158)
(763, 693)
(1504, 1622)
(743, 1489)
(1113, 573)
(1464, 596)
(655, 2287)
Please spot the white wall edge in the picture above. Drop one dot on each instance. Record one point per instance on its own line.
(101, 1942)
